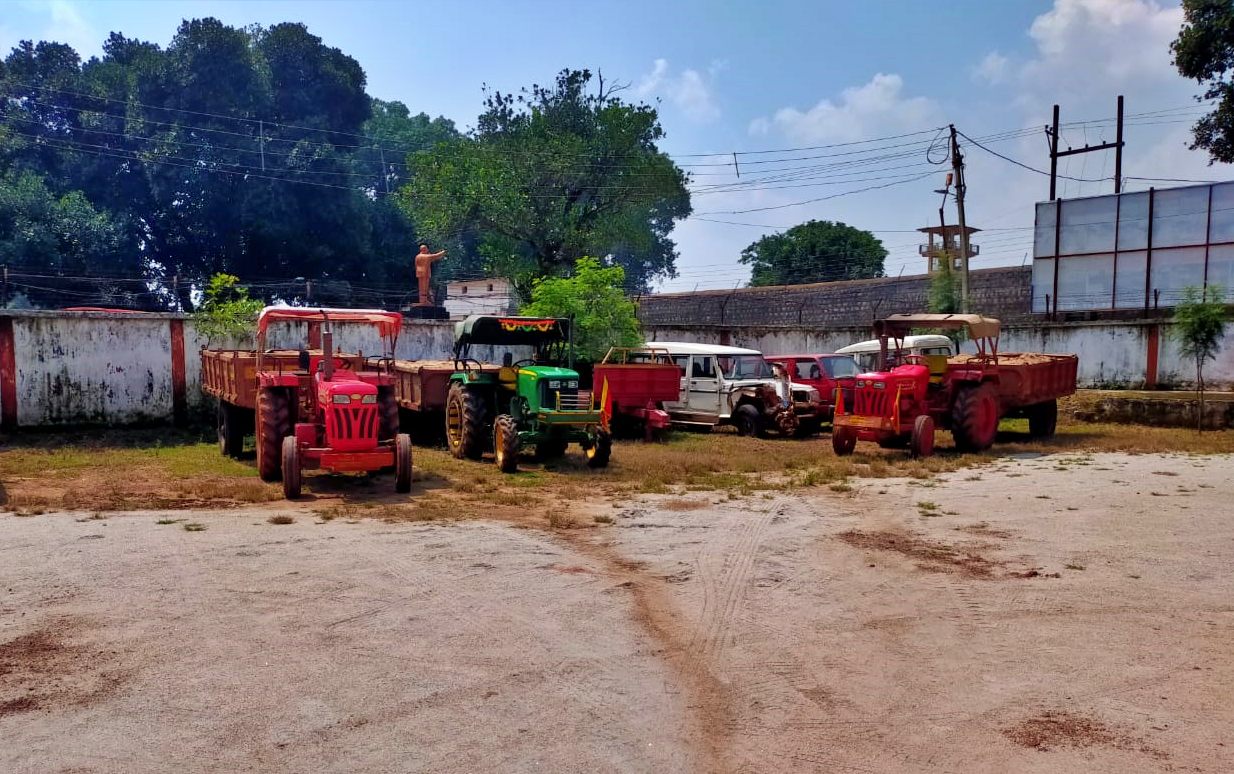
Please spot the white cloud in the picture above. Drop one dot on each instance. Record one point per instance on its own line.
(993, 69)
(872, 109)
(60, 21)
(689, 91)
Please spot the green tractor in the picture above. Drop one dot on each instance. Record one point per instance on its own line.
(531, 402)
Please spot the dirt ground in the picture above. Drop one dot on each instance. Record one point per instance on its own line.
(1058, 613)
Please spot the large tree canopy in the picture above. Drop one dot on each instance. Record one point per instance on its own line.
(1204, 51)
(815, 251)
(254, 151)
(550, 175)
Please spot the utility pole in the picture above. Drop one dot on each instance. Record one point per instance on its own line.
(957, 166)
(261, 143)
(385, 172)
(1055, 154)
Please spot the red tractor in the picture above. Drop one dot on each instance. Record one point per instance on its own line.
(909, 396)
(312, 409)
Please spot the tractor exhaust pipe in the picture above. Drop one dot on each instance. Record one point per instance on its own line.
(327, 352)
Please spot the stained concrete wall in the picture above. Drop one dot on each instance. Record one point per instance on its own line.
(99, 368)
(1112, 354)
(81, 368)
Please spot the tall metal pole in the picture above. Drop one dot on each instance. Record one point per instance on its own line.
(1054, 156)
(1118, 149)
(957, 164)
(261, 142)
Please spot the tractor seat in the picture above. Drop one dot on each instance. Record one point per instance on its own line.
(938, 367)
(507, 375)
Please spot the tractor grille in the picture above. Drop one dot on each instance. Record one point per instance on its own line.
(871, 402)
(566, 399)
(357, 421)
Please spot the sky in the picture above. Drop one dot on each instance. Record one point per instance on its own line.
(833, 108)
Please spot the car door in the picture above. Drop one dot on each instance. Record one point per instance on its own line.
(683, 396)
(704, 385)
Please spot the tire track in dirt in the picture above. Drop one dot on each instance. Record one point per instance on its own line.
(724, 592)
(707, 697)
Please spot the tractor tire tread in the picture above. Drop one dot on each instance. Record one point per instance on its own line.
(274, 424)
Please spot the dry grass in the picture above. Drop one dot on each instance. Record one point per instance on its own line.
(149, 469)
(282, 518)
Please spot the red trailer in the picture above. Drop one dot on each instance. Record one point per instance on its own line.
(908, 396)
(636, 382)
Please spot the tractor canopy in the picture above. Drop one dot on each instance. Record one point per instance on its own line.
(900, 325)
(510, 331)
(388, 323)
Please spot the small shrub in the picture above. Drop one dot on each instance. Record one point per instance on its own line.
(282, 518)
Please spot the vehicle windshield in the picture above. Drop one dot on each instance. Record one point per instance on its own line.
(744, 367)
(840, 367)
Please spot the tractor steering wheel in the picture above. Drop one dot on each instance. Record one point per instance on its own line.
(524, 361)
(468, 363)
(915, 360)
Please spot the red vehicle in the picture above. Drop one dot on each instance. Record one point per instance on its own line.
(311, 409)
(967, 394)
(824, 373)
(640, 380)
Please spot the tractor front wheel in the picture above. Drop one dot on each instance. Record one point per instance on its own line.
(231, 433)
(922, 444)
(466, 415)
(274, 423)
(748, 419)
(1043, 419)
(974, 418)
(291, 468)
(505, 443)
(843, 440)
(599, 451)
(402, 463)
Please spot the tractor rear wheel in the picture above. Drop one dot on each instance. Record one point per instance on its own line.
(843, 440)
(274, 423)
(748, 420)
(466, 419)
(231, 433)
(974, 418)
(402, 463)
(387, 408)
(505, 443)
(1043, 419)
(600, 450)
(291, 468)
(922, 444)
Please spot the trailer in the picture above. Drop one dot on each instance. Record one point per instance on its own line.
(908, 396)
(636, 382)
(310, 408)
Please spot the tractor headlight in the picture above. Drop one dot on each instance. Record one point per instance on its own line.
(572, 384)
(554, 385)
(879, 385)
(369, 399)
(861, 383)
(341, 399)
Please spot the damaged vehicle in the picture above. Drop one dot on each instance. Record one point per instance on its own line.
(723, 385)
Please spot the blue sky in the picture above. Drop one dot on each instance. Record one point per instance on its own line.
(771, 75)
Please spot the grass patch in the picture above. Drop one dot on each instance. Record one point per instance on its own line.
(282, 518)
(194, 526)
(1073, 566)
(602, 518)
(841, 486)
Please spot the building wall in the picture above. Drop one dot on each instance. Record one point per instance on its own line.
(1004, 293)
(1112, 354)
(92, 368)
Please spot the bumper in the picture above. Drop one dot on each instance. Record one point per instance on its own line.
(347, 462)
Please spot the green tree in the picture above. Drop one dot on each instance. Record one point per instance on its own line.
(1199, 325)
(603, 316)
(226, 310)
(550, 175)
(815, 251)
(1204, 51)
(944, 294)
(60, 238)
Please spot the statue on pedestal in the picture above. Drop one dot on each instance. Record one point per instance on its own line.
(424, 273)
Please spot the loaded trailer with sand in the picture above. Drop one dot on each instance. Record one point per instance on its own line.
(901, 402)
